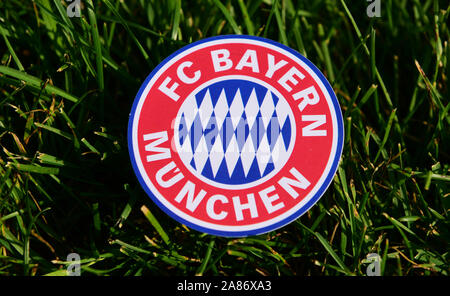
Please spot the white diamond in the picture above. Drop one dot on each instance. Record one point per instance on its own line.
(247, 155)
(267, 108)
(236, 108)
(185, 152)
(206, 109)
(201, 155)
(263, 154)
(278, 153)
(282, 109)
(232, 155)
(252, 108)
(191, 112)
(221, 109)
(216, 155)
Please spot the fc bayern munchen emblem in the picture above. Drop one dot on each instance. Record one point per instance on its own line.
(235, 135)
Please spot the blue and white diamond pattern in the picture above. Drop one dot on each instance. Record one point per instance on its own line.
(234, 132)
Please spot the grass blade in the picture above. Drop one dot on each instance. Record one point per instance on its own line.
(37, 83)
(97, 45)
(155, 224)
(228, 16)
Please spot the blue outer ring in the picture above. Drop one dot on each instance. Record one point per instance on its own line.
(285, 221)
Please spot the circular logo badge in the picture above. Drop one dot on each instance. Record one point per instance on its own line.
(235, 135)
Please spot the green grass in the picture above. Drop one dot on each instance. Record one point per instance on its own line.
(66, 183)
